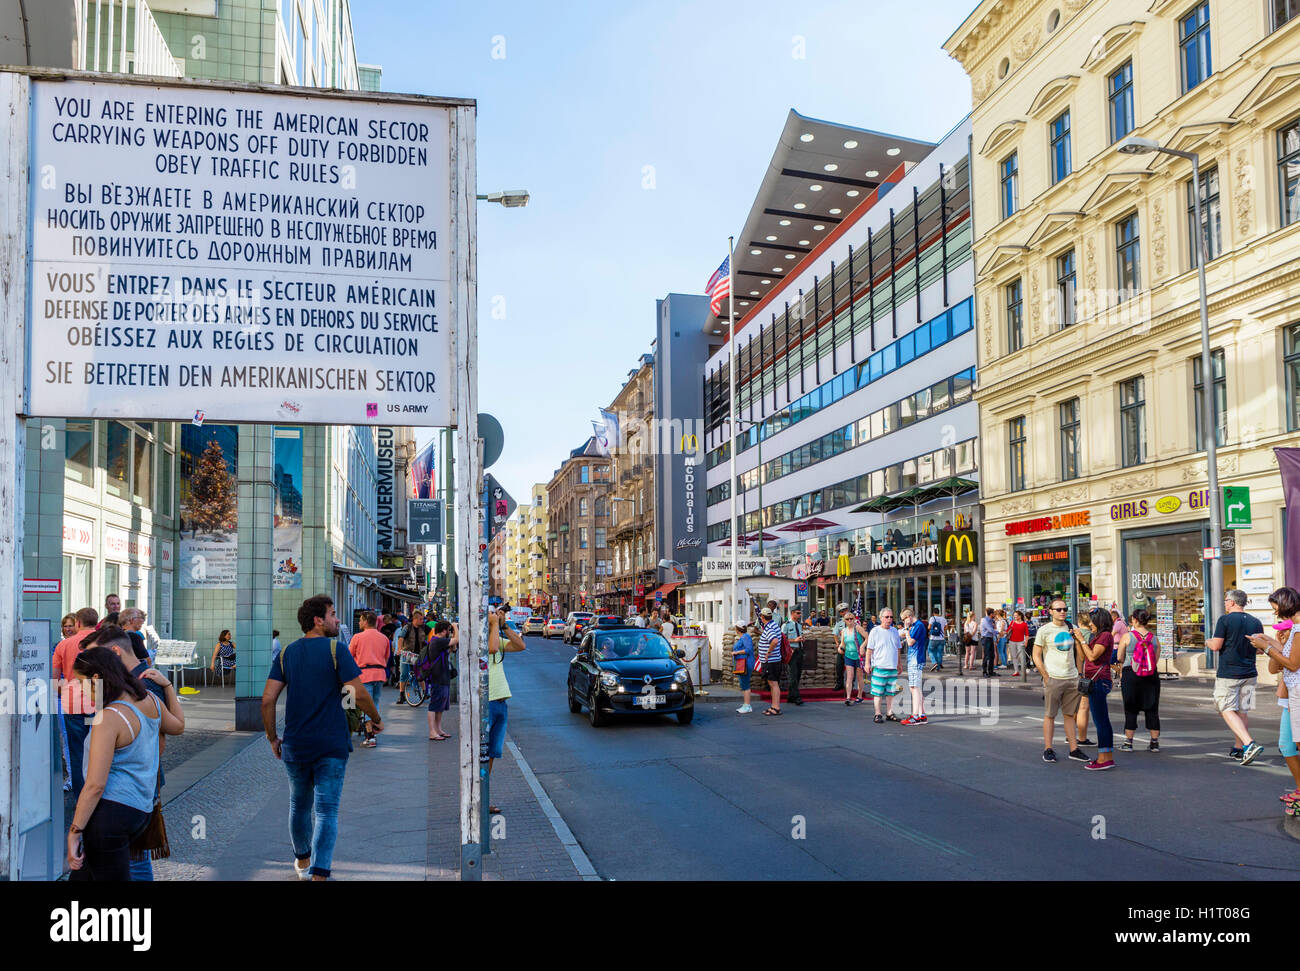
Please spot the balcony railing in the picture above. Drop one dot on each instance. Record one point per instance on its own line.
(121, 37)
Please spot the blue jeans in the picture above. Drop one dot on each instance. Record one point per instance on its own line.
(374, 688)
(315, 789)
(498, 711)
(77, 731)
(1101, 715)
(1002, 651)
(936, 650)
(142, 870)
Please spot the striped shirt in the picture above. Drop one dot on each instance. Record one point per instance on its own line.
(769, 642)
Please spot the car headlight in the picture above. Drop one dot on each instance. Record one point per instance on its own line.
(682, 676)
(609, 679)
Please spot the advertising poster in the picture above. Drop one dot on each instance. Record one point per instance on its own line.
(209, 507)
(286, 551)
(421, 474)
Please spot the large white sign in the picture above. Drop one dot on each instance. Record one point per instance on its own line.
(78, 535)
(247, 255)
(719, 567)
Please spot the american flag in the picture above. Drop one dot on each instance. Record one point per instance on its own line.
(719, 287)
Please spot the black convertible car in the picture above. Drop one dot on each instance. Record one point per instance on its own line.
(629, 671)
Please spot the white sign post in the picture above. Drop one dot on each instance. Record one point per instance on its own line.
(233, 253)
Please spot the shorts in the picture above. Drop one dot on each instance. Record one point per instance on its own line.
(883, 682)
(915, 671)
(772, 670)
(498, 711)
(1061, 695)
(744, 680)
(439, 697)
(1234, 694)
(852, 662)
(404, 671)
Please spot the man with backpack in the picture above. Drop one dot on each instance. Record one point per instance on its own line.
(433, 667)
(916, 636)
(936, 639)
(409, 643)
(317, 738)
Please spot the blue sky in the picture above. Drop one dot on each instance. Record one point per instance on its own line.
(588, 95)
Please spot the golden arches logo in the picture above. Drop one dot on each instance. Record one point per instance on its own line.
(694, 443)
(842, 565)
(957, 542)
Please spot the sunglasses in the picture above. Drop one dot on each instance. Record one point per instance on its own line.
(1059, 610)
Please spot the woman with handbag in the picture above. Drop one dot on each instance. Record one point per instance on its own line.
(1096, 680)
(121, 768)
(742, 656)
(1139, 684)
(968, 632)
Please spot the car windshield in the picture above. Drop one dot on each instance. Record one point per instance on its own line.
(582, 616)
(633, 645)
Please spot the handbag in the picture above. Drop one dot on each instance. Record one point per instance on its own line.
(151, 843)
(1085, 685)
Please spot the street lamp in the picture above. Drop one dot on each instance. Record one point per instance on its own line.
(1135, 145)
(511, 199)
(783, 413)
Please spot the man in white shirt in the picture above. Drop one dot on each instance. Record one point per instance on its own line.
(884, 647)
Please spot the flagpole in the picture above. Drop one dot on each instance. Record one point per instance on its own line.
(731, 357)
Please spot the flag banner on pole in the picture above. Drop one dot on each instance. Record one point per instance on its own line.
(601, 435)
(1288, 462)
(719, 287)
(421, 474)
(613, 433)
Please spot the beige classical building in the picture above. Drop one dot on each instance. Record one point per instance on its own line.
(634, 561)
(579, 557)
(1094, 484)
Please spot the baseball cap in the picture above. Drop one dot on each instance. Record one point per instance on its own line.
(840, 608)
(740, 624)
(765, 612)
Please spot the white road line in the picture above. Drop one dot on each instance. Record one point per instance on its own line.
(576, 854)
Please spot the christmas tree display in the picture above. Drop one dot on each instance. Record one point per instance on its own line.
(212, 492)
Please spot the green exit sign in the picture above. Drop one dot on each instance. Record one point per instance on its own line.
(1236, 507)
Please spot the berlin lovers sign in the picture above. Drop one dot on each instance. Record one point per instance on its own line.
(200, 253)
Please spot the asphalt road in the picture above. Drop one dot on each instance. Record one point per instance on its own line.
(823, 793)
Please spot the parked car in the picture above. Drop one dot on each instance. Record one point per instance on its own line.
(609, 620)
(554, 628)
(629, 671)
(575, 624)
(534, 625)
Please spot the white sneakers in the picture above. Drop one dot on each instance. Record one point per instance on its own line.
(304, 872)
(744, 710)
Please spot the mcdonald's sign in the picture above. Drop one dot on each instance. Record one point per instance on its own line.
(694, 445)
(842, 565)
(959, 548)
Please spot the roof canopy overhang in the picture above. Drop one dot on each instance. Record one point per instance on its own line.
(819, 173)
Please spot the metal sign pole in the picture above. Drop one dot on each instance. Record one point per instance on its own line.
(14, 99)
(468, 472)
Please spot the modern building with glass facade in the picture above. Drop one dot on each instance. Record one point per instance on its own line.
(855, 369)
(1090, 380)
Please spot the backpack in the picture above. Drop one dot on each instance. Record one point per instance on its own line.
(787, 652)
(1144, 654)
(350, 708)
(936, 628)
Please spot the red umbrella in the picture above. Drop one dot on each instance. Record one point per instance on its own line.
(755, 537)
(808, 525)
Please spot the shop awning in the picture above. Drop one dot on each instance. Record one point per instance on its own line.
(919, 495)
(404, 595)
(666, 589)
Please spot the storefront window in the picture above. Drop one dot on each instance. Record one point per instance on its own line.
(1047, 571)
(1165, 569)
(119, 458)
(78, 451)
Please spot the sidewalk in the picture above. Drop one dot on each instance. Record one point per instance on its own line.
(227, 813)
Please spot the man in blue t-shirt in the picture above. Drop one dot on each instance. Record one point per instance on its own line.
(316, 739)
(1234, 679)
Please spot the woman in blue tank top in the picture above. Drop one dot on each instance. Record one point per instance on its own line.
(121, 767)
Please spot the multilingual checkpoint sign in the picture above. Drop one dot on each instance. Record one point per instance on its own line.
(248, 255)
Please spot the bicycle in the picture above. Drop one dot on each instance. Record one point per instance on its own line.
(417, 693)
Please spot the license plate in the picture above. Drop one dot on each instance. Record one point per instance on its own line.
(650, 701)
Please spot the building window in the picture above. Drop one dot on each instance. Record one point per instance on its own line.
(1292, 363)
(1120, 86)
(584, 474)
(1061, 162)
(1128, 251)
(1211, 225)
(1066, 280)
(1010, 184)
(582, 506)
(1194, 42)
(1132, 424)
(600, 538)
(1284, 11)
(1220, 398)
(119, 459)
(582, 537)
(1288, 170)
(1016, 452)
(79, 451)
(1069, 414)
(1015, 317)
